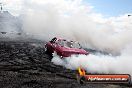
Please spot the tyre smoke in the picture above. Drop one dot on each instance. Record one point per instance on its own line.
(74, 20)
(99, 63)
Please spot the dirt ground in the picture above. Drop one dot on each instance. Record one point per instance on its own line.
(25, 65)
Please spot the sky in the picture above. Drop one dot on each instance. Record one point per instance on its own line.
(111, 7)
(108, 8)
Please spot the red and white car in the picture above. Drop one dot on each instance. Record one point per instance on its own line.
(64, 48)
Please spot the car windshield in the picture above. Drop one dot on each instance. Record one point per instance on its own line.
(70, 44)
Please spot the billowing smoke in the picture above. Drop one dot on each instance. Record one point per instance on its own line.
(99, 63)
(73, 19)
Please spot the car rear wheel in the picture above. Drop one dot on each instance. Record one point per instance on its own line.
(47, 51)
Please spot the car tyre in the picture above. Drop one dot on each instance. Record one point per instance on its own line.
(47, 51)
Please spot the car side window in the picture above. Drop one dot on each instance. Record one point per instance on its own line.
(60, 42)
(70, 44)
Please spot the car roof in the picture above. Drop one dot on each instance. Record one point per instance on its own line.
(65, 40)
(59, 38)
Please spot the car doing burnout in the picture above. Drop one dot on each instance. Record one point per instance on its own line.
(64, 48)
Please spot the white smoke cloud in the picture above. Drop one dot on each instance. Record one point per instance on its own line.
(74, 20)
(99, 63)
